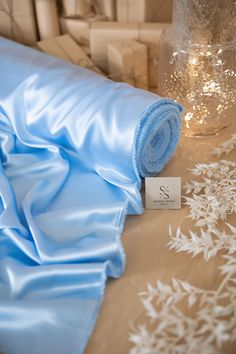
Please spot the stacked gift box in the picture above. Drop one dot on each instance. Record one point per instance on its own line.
(118, 38)
(17, 21)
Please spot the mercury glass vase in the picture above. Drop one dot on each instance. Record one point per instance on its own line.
(198, 64)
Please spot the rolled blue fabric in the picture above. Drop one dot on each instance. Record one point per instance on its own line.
(73, 145)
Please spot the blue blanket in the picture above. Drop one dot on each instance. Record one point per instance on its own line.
(73, 146)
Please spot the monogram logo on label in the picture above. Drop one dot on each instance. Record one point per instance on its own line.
(164, 192)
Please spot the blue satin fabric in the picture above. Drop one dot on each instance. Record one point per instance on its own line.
(72, 147)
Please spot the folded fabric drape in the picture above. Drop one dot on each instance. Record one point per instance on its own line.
(73, 145)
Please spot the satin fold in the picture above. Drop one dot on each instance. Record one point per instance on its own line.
(73, 146)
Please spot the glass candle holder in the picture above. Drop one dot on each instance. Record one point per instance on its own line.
(198, 64)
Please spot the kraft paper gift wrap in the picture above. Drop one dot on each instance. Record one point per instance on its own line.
(106, 8)
(144, 10)
(86, 8)
(127, 62)
(102, 33)
(81, 8)
(64, 47)
(17, 21)
(47, 18)
(79, 28)
(73, 147)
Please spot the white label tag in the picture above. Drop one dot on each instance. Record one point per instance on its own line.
(163, 192)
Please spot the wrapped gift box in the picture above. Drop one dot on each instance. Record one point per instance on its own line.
(144, 10)
(47, 18)
(150, 34)
(64, 47)
(82, 8)
(106, 8)
(79, 29)
(120, 62)
(17, 21)
(140, 60)
(102, 33)
(127, 61)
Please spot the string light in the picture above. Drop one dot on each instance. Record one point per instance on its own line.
(197, 64)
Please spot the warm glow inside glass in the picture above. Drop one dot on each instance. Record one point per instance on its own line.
(198, 65)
